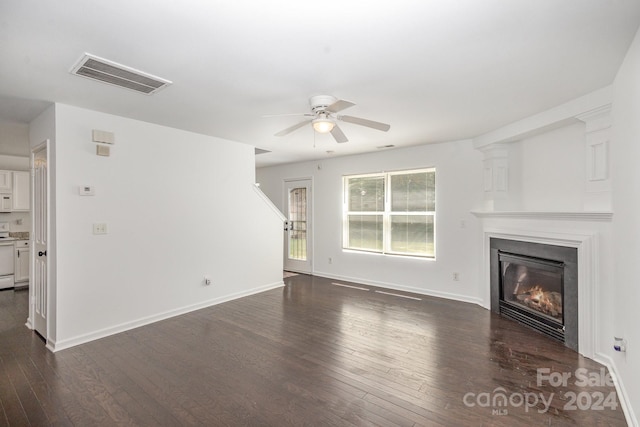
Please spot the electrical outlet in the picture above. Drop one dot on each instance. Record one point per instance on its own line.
(456, 277)
(100, 228)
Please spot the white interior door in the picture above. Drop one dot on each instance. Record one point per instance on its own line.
(39, 289)
(298, 244)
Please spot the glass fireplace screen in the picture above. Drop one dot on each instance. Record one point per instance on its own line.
(533, 284)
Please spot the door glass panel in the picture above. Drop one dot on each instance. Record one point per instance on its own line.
(298, 224)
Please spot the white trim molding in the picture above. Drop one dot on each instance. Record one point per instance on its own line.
(268, 202)
(597, 157)
(579, 109)
(567, 216)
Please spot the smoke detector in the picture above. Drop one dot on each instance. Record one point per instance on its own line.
(105, 71)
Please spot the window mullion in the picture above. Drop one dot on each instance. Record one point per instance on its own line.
(386, 222)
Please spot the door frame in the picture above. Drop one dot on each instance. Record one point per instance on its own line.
(46, 144)
(310, 226)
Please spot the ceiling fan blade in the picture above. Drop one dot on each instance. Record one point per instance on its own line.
(286, 115)
(292, 128)
(364, 122)
(339, 105)
(338, 135)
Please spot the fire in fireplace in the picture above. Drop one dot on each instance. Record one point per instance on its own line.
(533, 287)
(536, 284)
(547, 302)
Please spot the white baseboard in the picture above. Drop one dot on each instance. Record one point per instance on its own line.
(397, 287)
(85, 338)
(620, 389)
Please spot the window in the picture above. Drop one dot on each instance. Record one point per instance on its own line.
(391, 213)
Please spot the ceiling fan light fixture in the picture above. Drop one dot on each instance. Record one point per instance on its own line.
(324, 117)
(323, 125)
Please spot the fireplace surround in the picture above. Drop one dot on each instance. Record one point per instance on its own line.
(536, 284)
(586, 232)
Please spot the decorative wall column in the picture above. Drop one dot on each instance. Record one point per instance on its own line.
(597, 150)
(496, 178)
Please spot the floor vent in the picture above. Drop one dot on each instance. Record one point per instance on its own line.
(105, 71)
(350, 286)
(399, 295)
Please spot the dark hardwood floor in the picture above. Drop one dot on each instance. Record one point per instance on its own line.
(311, 353)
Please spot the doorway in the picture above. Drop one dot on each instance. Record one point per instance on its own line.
(298, 246)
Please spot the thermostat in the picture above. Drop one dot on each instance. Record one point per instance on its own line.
(86, 190)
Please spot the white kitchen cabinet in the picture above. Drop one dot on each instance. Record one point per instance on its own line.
(20, 188)
(5, 181)
(21, 273)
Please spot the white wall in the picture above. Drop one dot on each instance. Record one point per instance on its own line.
(178, 206)
(626, 230)
(14, 139)
(15, 163)
(551, 170)
(458, 191)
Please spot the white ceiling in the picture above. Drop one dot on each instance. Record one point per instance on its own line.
(434, 70)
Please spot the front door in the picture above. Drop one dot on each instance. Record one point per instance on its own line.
(298, 246)
(39, 290)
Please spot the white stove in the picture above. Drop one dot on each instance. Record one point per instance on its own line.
(6, 257)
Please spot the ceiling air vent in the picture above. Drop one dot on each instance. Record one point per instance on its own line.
(110, 72)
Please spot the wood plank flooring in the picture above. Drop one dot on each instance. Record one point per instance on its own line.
(310, 354)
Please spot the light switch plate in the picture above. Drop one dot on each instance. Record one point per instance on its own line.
(103, 150)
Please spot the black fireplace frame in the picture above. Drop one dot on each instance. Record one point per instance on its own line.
(567, 257)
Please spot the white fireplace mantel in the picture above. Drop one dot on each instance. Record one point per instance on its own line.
(556, 216)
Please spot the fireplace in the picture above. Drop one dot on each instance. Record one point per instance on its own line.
(537, 285)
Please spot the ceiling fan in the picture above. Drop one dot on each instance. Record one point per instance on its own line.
(324, 115)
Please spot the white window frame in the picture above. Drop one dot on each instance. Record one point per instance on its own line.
(386, 214)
